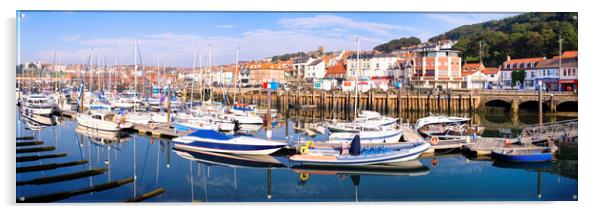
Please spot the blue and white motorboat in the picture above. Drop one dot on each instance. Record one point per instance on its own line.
(358, 156)
(213, 141)
(523, 155)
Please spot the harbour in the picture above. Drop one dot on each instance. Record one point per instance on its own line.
(156, 164)
(405, 120)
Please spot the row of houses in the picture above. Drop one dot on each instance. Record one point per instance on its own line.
(434, 65)
(556, 74)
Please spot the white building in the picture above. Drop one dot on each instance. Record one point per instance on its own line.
(517, 65)
(300, 65)
(373, 66)
(315, 70)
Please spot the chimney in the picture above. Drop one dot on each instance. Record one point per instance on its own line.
(508, 58)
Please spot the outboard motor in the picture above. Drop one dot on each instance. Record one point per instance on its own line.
(236, 126)
(356, 148)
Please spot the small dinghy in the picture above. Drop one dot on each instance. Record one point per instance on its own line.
(358, 156)
(213, 141)
(523, 155)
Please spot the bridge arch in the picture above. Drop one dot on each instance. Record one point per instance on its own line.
(498, 105)
(533, 106)
(567, 106)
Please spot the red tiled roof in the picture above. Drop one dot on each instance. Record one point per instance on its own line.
(463, 73)
(569, 54)
(491, 70)
(514, 61)
(338, 68)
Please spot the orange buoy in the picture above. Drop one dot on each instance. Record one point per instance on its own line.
(434, 162)
(507, 142)
(434, 140)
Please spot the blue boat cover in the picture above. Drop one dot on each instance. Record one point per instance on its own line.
(355, 146)
(211, 134)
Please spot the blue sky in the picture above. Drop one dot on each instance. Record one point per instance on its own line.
(173, 37)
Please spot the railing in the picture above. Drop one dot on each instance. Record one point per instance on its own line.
(538, 132)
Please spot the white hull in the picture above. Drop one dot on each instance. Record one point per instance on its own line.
(392, 136)
(242, 152)
(103, 125)
(38, 111)
(212, 141)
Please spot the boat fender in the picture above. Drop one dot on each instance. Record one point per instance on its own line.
(304, 176)
(434, 162)
(507, 142)
(309, 144)
(435, 140)
(303, 150)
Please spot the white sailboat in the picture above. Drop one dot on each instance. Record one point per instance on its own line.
(103, 121)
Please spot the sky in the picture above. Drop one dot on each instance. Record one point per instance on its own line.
(173, 38)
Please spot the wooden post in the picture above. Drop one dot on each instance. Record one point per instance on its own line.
(268, 131)
(168, 104)
(460, 103)
(418, 101)
(470, 102)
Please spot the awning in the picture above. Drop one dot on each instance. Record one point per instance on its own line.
(568, 81)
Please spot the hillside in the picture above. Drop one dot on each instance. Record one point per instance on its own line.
(525, 35)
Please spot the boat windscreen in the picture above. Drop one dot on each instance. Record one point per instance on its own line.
(211, 134)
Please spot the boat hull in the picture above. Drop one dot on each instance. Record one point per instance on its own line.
(38, 111)
(101, 125)
(205, 146)
(212, 141)
(364, 159)
(522, 158)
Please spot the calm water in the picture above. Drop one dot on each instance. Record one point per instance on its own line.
(194, 177)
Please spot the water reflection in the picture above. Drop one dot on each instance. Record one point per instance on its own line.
(194, 176)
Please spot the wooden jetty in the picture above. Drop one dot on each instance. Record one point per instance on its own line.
(50, 166)
(25, 138)
(36, 149)
(158, 130)
(39, 157)
(63, 177)
(67, 194)
(147, 195)
(29, 143)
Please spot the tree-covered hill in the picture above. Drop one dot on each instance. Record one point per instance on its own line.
(521, 36)
(397, 43)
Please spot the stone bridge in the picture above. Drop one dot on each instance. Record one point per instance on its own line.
(517, 100)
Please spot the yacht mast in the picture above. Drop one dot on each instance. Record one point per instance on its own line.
(236, 75)
(192, 87)
(135, 67)
(210, 78)
(357, 79)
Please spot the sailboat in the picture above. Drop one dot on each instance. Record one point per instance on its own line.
(103, 121)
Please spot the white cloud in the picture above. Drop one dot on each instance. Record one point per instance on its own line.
(70, 38)
(178, 49)
(226, 26)
(466, 19)
(342, 23)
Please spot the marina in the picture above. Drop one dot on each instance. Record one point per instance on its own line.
(67, 160)
(173, 120)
